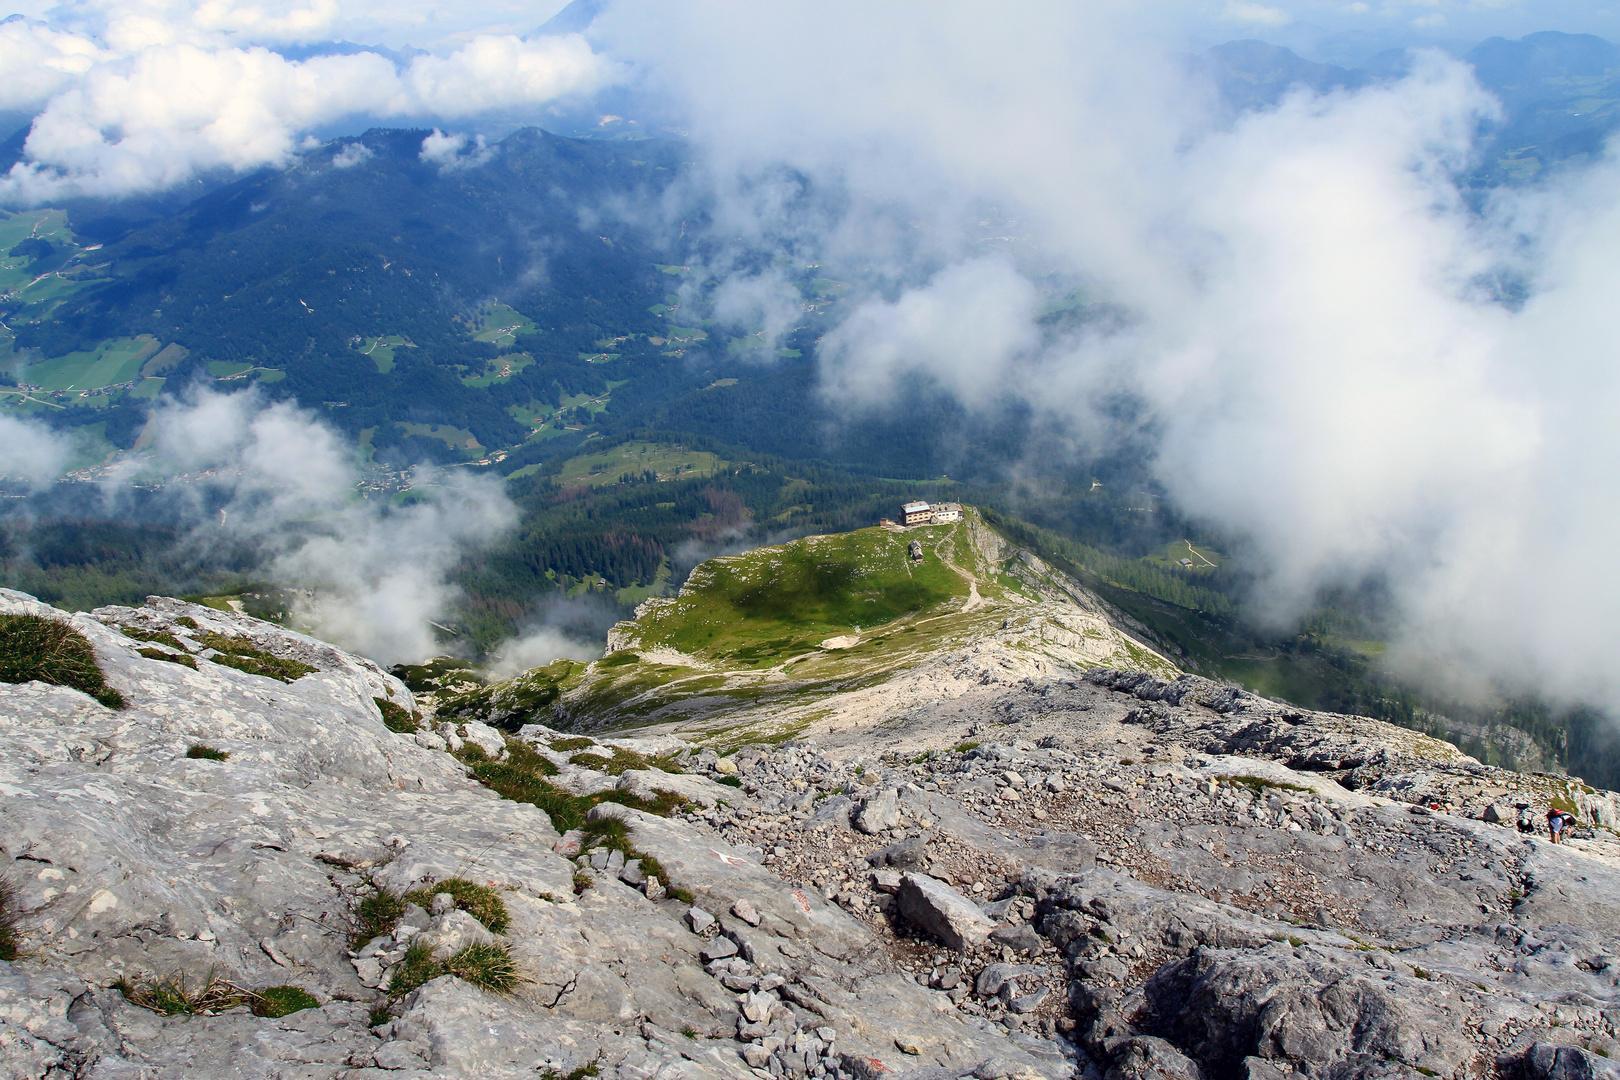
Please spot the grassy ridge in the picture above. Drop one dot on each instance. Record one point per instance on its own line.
(758, 608)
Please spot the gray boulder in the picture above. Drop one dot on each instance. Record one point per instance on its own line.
(1326, 1012)
(879, 812)
(937, 909)
(1556, 1061)
(909, 854)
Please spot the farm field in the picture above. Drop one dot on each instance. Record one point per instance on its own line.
(1202, 558)
(381, 350)
(456, 438)
(228, 371)
(668, 462)
(502, 369)
(500, 325)
(110, 363)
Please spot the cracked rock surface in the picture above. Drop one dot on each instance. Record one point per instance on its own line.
(1097, 875)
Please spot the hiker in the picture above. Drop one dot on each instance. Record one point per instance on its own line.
(1557, 821)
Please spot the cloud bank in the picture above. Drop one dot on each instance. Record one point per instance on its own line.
(143, 96)
(1328, 374)
(369, 577)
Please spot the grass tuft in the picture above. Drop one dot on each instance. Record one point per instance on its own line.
(396, 718)
(522, 778)
(964, 747)
(562, 746)
(168, 657)
(621, 760)
(730, 781)
(175, 995)
(486, 966)
(379, 1016)
(10, 918)
(206, 753)
(414, 969)
(243, 655)
(376, 914)
(158, 637)
(33, 647)
(479, 901)
(1258, 784)
(277, 1001)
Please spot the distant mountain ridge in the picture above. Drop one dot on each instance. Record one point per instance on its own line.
(1561, 93)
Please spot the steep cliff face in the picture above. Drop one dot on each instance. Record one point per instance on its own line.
(985, 861)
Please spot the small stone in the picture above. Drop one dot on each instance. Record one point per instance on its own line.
(1021, 938)
(745, 910)
(698, 920)
(653, 889)
(570, 843)
(443, 903)
(1029, 1002)
(719, 949)
(631, 873)
(879, 812)
(727, 766)
(886, 881)
(756, 1055)
(907, 1044)
(756, 1007)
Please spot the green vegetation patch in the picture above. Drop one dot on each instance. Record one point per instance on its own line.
(243, 655)
(772, 603)
(381, 350)
(168, 657)
(522, 778)
(1258, 784)
(499, 324)
(206, 753)
(159, 637)
(375, 914)
(278, 1001)
(33, 647)
(638, 461)
(617, 762)
(480, 901)
(575, 742)
(10, 916)
(488, 967)
(108, 364)
(396, 717)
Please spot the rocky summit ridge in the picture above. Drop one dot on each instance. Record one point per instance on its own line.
(1062, 871)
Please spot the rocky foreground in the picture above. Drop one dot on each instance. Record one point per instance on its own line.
(1135, 877)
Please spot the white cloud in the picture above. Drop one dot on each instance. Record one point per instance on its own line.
(31, 452)
(452, 151)
(372, 578)
(537, 648)
(172, 103)
(967, 326)
(1324, 376)
(351, 154)
(39, 61)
